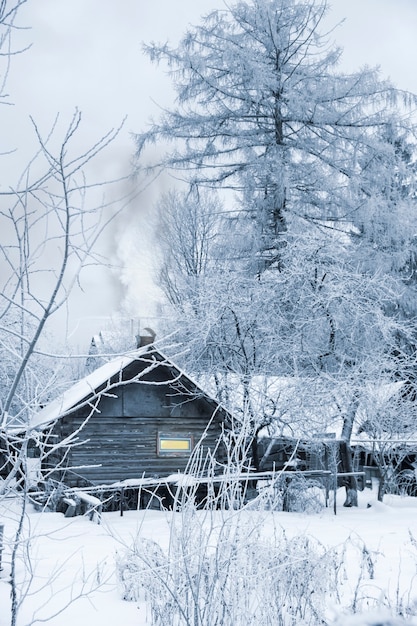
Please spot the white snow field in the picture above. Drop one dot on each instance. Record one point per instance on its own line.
(360, 566)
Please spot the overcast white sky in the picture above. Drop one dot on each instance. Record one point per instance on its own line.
(87, 54)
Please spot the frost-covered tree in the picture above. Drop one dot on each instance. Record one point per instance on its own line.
(262, 108)
(189, 233)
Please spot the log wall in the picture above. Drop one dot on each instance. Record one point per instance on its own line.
(120, 441)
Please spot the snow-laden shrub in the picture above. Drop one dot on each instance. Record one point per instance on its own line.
(221, 571)
(136, 568)
(294, 493)
(303, 495)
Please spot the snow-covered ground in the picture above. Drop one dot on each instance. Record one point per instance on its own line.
(72, 561)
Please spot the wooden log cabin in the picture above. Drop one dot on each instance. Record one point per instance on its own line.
(136, 416)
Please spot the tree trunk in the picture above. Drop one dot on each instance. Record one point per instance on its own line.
(346, 454)
(381, 487)
(348, 481)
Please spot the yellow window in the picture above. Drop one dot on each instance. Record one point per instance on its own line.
(168, 444)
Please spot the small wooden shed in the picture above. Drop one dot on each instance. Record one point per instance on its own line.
(136, 416)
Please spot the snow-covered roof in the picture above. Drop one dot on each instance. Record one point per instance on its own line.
(86, 390)
(89, 388)
(83, 389)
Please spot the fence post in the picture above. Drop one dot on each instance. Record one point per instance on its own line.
(122, 501)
